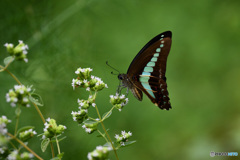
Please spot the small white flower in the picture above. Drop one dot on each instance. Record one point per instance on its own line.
(95, 153)
(88, 130)
(116, 136)
(43, 137)
(88, 89)
(106, 86)
(73, 83)
(77, 71)
(100, 148)
(81, 104)
(13, 104)
(48, 119)
(123, 132)
(130, 133)
(85, 81)
(20, 41)
(1, 150)
(83, 126)
(89, 156)
(93, 104)
(25, 60)
(25, 99)
(64, 127)
(122, 96)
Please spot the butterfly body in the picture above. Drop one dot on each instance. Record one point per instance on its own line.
(146, 73)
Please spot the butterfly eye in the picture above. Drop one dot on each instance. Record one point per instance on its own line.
(120, 77)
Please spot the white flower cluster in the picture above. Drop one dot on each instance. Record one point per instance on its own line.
(51, 128)
(88, 81)
(3, 123)
(123, 137)
(100, 153)
(88, 130)
(79, 114)
(20, 51)
(13, 155)
(83, 70)
(118, 101)
(19, 95)
(30, 131)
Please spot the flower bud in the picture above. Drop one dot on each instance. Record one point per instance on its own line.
(80, 116)
(123, 137)
(19, 95)
(26, 135)
(52, 129)
(84, 104)
(100, 153)
(19, 52)
(118, 101)
(26, 156)
(83, 73)
(90, 127)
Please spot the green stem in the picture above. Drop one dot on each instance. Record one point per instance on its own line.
(107, 113)
(17, 121)
(103, 136)
(115, 152)
(26, 147)
(14, 77)
(36, 107)
(58, 145)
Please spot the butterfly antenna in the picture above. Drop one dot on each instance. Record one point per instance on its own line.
(112, 68)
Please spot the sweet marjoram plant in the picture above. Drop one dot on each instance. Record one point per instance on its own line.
(24, 96)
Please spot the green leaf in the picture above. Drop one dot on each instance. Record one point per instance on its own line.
(108, 144)
(8, 60)
(37, 99)
(128, 143)
(107, 114)
(18, 111)
(90, 122)
(24, 129)
(53, 140)
(44, 144)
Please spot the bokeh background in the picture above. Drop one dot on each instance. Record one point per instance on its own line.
(202, 72)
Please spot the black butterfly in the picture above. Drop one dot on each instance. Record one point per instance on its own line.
(147, 71)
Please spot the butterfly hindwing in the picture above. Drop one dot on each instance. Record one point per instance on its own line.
(147, 70)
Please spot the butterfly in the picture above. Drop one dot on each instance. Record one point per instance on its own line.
(147, 71)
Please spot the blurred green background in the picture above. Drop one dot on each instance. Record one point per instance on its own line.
(202, 71)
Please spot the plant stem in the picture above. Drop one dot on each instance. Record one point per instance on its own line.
(103, 136)
(115, 152)
(107, 113)
(58, 145)
(14, 77)
(36, 107)
(17, 121)
(26, 147)
(39, 112)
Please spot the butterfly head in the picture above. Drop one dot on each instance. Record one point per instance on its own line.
(122, 77)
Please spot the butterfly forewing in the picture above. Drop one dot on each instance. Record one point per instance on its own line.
(147, 70)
